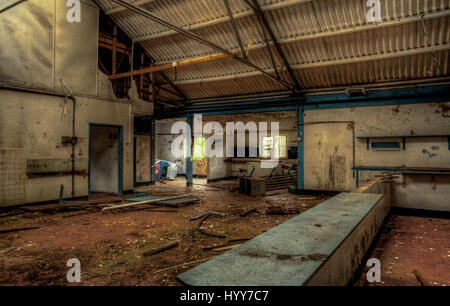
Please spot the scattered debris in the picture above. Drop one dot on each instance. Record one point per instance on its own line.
(284, 181)
(226, 246)
(175, 203)
(269, 202)
(278, 210)
(240, 239)
(204, 217)
(18, 229)
(79, 214)
(10, 214)
(82, 205)
(160, 210)
(143, 202)
(248, 212)
(206, 214)
(161, 249)
(419, 277)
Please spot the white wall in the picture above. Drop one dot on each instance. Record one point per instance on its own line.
(401, 120)
(43, 121)
(143, 159)
(38, 48)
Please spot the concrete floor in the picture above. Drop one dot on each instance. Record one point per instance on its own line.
(111, 246)
(413, 243)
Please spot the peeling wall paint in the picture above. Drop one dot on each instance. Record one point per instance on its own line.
(38, 49)
(381, 121)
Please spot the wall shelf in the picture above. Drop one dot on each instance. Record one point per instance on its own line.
(401, 170)
(402, 137)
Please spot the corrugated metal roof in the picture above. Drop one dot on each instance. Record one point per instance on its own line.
(327, 42)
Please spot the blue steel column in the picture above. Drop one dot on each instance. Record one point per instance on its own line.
(189, 166)
(300, 148)
(152, 151)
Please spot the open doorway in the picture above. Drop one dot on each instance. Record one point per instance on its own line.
(199, 160)
(105, 159)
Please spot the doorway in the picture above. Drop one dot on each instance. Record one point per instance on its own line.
(105, 159)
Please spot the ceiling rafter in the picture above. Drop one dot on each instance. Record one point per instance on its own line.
(345, 31)
(11, 6)
(223, 19)
(178, 91)
(235, 30)
(268, 29)
(199, 39)
(174, 86)
(121, 8)
(352, 60)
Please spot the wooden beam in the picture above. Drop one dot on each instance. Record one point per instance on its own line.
(110, 47)
(141, 77)
(110, 40)
(114, 56)
(168, 66)
(350, 60)
(114, 51)
(158, 101)
(201, 40)
(153, 87)
(352, 29)
(146, 202)
(242, 14)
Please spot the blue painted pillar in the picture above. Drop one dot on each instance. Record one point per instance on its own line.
(189, 166)
(300, 147)
(152, 151)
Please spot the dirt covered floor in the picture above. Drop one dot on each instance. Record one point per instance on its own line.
(110, 246)
(411, 244)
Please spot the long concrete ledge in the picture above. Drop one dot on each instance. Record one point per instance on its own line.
(323, 246)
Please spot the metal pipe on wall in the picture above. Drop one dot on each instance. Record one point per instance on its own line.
(56, 94)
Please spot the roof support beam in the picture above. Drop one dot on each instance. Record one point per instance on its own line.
(168, 66)
(235, 30)
(350, 30)
(175, 87)
(268, 7)
(121, 8)
(351, 60)
(200, 40)
(269, 49)
(11, 6)
(258, 12)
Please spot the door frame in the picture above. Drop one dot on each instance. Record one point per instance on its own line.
(139, 133)
(119, 157)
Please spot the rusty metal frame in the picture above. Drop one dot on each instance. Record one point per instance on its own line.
(199, 39)
(260, 14)
(11, 6)
(235, 30)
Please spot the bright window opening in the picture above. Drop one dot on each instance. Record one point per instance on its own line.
(269, 145)
(199, 149)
